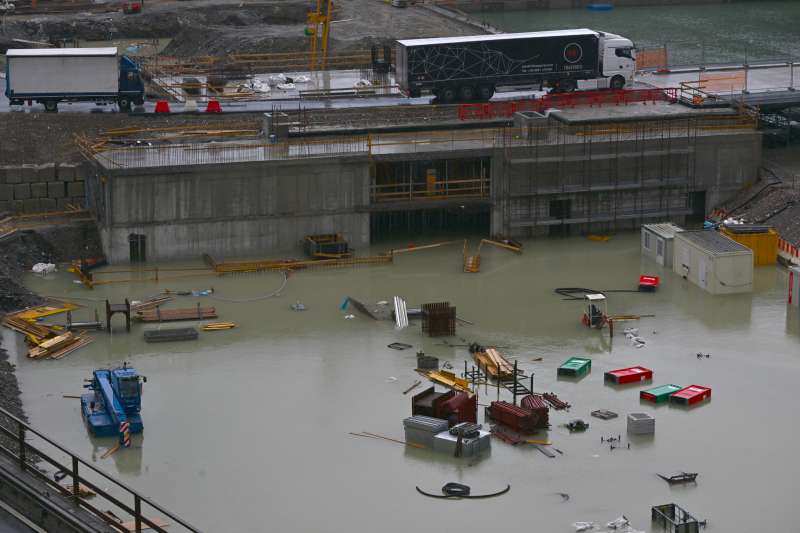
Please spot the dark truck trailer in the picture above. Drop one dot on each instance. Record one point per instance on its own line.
(471, 68)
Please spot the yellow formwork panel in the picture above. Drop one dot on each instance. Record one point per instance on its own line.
(764, 245)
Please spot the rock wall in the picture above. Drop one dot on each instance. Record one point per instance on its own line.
(37, 188)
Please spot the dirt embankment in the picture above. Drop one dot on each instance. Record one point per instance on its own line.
(215, 27)
(49, 138)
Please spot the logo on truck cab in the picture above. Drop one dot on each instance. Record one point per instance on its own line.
(573, 53)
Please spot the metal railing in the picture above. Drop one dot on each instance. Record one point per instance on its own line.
(76, 471)
(436, 190)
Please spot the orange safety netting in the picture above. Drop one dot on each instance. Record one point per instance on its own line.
(733, 81)
(651, 58)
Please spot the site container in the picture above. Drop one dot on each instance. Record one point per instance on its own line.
(574, 367)
(658, 242)
(713, 262)
(633, 374)
(691, 395)
(444, 442)
(659, 394)
(421, 429)
(641, 424)
(762, 240)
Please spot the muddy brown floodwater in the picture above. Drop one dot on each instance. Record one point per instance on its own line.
(247, 430)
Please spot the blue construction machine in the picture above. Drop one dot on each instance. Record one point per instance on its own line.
(112, 406)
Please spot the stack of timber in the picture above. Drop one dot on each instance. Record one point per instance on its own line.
(492, 362)
(536, 405)
(172, 315)
(267, 265)
(218, 326)
(58, 347)
(152, 303)
(36, 333)
(554, 402)
(517, 418)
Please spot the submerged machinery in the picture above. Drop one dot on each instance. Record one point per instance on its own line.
(113, 404)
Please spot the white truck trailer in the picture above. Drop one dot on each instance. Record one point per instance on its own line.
(52, 75)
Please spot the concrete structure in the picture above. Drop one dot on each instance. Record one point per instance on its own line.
(237, 209)
(793, 296)
(578, 170)
(713, 262)
(657, 242)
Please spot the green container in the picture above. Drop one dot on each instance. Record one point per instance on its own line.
(659, 394)
(575, 366)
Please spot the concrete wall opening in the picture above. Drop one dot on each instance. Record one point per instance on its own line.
(425, 180)
(429, 223)
(562, 210)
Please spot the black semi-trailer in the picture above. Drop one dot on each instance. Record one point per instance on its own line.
(472, 68)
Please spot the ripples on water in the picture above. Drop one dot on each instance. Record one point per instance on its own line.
(730, 32)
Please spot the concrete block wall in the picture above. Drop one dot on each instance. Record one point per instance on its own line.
(40, 188)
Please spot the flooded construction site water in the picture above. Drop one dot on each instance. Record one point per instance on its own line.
(246, 430)
(694, 34)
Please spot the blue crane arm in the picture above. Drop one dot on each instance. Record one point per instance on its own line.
(113, 406)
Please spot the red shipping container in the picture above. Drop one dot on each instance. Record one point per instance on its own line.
(691, 395)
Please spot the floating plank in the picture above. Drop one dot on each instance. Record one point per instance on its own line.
(171, 315)
(218, 326)
(400, 313)
(547, 450)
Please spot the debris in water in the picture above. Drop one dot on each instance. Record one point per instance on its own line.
(399, 346)
(391, 379)
(349, 317)
(298, 306)
(456, 491)
(583, 526)
(563, 495)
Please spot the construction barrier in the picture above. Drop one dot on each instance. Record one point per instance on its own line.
(731, 81)
(652, 59)
(789, 252)
(492, 110)
(162, 106)
(213, 107)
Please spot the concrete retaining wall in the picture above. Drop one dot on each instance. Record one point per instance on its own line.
(235, 210)
(38, 188)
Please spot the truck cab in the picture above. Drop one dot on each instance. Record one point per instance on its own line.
(131, 86)
(618, 60)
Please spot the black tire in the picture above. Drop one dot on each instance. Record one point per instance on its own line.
(138, 101)
(447, 95)
(466, 93)
(617, 83)
(567, 85)
(485, 92)
(51, 106)
(124, 105)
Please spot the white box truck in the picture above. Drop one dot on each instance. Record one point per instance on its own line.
(52, 75)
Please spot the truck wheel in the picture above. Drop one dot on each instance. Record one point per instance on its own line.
(466, 93)
(124, 105)
(617, 83)
(567, 85)
(447, 95)
(138, 101)
(485, 92)
(51, 106)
